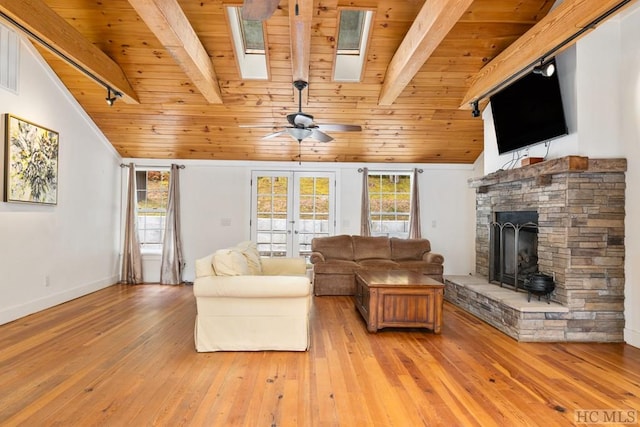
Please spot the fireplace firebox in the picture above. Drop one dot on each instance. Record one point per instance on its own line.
(513, 248)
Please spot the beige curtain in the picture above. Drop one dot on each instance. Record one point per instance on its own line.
(172, 261)
(414, 209)
(365, 221)
(131, 258)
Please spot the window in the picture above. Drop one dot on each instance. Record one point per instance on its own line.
(252, 36)
(249, 45)
(389, 204)
(152, 187)
(353, 37)
(350, 35)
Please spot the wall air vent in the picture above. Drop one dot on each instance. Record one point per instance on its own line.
(9, 50)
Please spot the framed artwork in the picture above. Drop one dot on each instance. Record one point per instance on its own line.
(31, 162)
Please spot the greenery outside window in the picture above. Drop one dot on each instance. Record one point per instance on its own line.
(389, 204)
(152, 188)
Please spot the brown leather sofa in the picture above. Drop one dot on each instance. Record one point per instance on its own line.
(336, 259)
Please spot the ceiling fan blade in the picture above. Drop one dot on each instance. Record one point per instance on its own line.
(258, 10)
(320, 136)
(273, 135)
(340, 128)
(258, 126)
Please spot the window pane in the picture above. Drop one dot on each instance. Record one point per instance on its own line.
(389, 204)
(280, 185)
(280, 204)
(152, 190)
(350, 33)
(253, 36)
(264, 185)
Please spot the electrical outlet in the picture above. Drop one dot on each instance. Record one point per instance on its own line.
(47, 282)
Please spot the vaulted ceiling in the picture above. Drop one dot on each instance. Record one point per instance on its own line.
(183, 96)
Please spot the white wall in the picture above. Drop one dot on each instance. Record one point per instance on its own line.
(600, 83)
(72, 246)
(216, 206)
(630, 137)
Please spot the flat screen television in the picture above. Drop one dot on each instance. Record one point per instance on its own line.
(527, 112)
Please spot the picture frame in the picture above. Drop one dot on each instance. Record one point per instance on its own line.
(31, 162)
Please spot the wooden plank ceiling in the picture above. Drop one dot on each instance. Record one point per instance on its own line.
(184, 97)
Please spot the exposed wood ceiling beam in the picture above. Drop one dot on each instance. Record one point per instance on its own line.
(170, 25)
(300, 29)
(433, 23)
(558, 26)
(55, 34)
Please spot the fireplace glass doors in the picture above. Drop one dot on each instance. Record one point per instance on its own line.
(513, 247)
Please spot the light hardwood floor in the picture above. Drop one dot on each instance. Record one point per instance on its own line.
(124, 356)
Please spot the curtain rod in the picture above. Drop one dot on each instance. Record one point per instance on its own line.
(124, 165)
(390, 172)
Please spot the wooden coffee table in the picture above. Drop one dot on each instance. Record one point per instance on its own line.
(399, 298)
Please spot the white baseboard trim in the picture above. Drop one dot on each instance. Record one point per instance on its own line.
(632, 337)
(15, 312)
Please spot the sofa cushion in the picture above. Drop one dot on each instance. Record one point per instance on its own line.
(421, 266)
(334, 247)
(409, 248)
(204, 267)
(250, 251)
(377, 264)
(229, 262)
(371, 247)
(335, 266)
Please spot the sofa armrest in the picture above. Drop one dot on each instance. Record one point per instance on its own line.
(316, 257)
(252, 286)
(283, 266)
(433, 258)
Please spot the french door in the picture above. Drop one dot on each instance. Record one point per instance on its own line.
(289, 209)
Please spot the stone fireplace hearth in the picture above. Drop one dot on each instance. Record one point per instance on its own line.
(580, 241)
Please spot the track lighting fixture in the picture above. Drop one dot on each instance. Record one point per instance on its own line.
(475, 111)
(545, 69)
(111, 96)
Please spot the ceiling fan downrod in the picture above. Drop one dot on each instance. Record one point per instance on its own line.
(300, 85)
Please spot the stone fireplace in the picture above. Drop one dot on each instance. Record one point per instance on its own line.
(566, 216)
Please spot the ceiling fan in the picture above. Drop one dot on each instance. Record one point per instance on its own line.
(302, 125)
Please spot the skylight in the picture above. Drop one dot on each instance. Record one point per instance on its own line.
(350, 34)
(252, 35)
(353, 36)
(249, 45)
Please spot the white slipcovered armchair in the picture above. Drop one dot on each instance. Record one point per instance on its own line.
(248, 303)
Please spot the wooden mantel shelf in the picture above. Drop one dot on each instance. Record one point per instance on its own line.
(541, 171)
